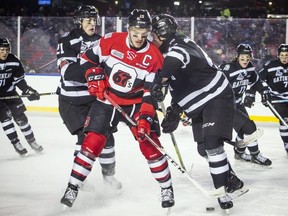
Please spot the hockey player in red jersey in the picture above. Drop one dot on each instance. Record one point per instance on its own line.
(129, 63)
(74, 98)
(12, 75)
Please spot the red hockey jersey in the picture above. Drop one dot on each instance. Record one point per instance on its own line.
(130, 72)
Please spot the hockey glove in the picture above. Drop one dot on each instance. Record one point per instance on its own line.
(158, 90)
(33, 94)
(265, 97)
(144, 123)
(249, 99)
(171, 119)
(97, 83)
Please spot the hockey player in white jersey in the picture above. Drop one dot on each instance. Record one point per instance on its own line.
(74, 98)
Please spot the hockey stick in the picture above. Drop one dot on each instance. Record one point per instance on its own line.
(23, 96)
(276, 113)
(173, 139)
(217, 192)
(240, 143)
(48, 63)
(280, 101)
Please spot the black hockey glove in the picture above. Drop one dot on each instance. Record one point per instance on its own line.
(33, 94)
(249, 98)
(171, 119)
(158, 93)
(265, 97)
(158, 89)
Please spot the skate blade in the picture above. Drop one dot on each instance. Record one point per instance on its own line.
(238, 193)
(227, 212)
(168, 212)
(64, 208)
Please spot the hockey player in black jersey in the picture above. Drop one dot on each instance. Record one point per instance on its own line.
(275, 74)
(203, 93)
(241, 74)
(74, 98)
(12, 75)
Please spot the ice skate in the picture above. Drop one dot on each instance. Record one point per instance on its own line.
(167, 196)
(19, 148)
(259, 159)
(225, 202)
(70, 195)
(242, 156)
(112, 182)
(234, 183)
(35, 146)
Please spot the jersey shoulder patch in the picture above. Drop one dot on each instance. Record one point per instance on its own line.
(226, 67)
(267, 63)
(65, 34)
(108, 35)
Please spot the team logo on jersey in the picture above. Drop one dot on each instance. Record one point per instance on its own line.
(117, 54)
(121, 78)
(131, 55)
(240, 76)
(278, 73)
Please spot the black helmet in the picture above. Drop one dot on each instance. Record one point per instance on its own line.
(140, 18)
(164, 25)
(244, 49)
(282, 48)
(4, 42)
(85, 11)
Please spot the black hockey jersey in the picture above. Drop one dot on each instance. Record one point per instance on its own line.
(276, 76)
(12, 74)
(73, 85)
(194, 79)
(240, 78)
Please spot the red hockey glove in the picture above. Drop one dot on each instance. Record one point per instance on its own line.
(97, 83)
(143, 127)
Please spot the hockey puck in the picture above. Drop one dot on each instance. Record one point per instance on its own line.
(210, 208)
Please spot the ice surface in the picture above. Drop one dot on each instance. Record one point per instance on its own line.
(33, 186)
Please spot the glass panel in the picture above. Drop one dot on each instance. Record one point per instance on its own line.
(110, 24)
(8, 26)
(219, 37)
